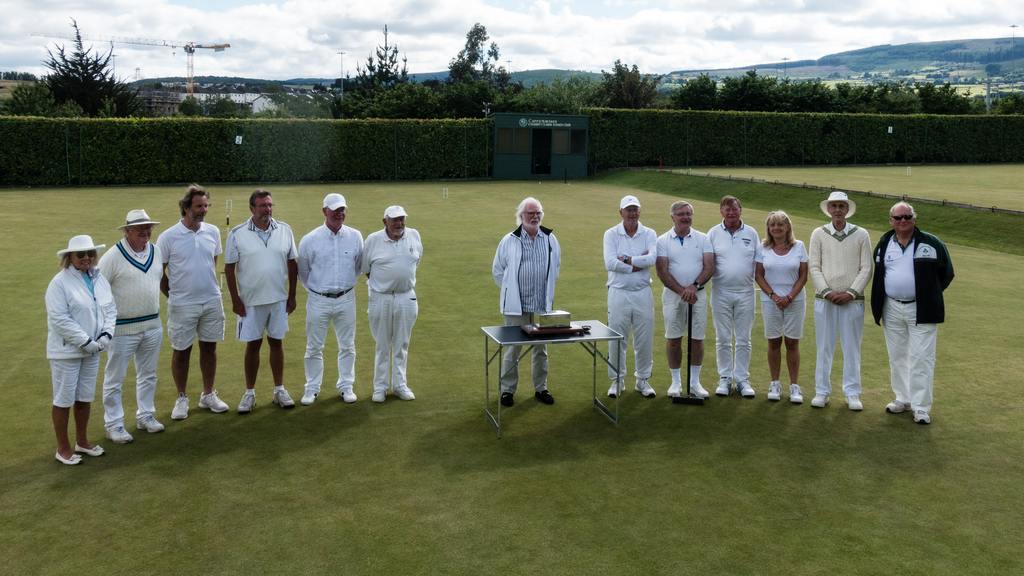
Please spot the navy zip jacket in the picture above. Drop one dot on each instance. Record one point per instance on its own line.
(933, 272)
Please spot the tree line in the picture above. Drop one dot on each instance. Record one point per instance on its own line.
(80, 83)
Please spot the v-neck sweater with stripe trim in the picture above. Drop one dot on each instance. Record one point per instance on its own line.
(136, 287)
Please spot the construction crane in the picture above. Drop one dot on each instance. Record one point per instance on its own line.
(189, 48)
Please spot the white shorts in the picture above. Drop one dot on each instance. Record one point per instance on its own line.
(74, 380)
(271, 319)
(788, 322)
(185, 322)
(674, 309)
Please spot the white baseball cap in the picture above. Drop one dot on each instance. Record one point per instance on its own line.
(333, 201)
(628, 201)
(394, 212)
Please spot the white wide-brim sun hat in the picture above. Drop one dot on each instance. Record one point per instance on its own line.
(837, 196)
(81, 243)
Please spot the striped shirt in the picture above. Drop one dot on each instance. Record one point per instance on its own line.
(533, 271)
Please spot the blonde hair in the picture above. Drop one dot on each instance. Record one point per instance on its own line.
(773, 217)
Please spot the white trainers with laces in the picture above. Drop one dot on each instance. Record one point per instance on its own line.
(379, 396)
(308, 398)
(922, 417)
(697, 390)
(644, 388)
(746, 390)
(854, 403)
(282, 399)
(213, 403)
(796, 396)
(723, 387)
(180, 411)
(819, 401)
(404, 393)
(118, 435)
(348, 396)
(774, 391)
(616, 388)
(897, 407)
(149, 424)
(248, 401)
(675, 390)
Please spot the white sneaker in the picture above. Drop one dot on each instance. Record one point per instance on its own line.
(616, 388)
(854, 403)
(897, 407)
(723, 387)
(819, 401)
(149, 424)
(348, 396)
(922, 417)
(644, 388)
(675, 390)
(246, 404)
(118, 435)
(796, 396)
(213, 403)
(378, 396)
(180, 411)
(282, 399)
(404, 393)
(697, 390)
(746, 390)
(308, 398)
(774, 391)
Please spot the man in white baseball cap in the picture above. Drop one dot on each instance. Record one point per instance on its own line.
(839, 263)
(134, 268)
(390, 258)
(329, 260)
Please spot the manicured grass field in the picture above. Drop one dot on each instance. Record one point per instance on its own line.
(734, 487)
(985, 185)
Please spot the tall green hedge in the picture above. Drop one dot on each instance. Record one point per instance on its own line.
(692, 138)
(63, 151)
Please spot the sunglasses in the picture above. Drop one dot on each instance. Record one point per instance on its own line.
(903, 217)
(90, 254)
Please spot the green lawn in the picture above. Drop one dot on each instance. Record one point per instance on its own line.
(981, 185)
(424, 487)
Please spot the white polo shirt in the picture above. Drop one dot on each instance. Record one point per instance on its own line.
(329, 262)
(686, 258)
(391, 264)
(899, 270)
(261, 261)
(190, 258)
(734, 257)
(618, 243)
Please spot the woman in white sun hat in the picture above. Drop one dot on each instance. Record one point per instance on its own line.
(80, 316)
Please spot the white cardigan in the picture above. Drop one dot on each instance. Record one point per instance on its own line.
(74, 316)
(505, 271)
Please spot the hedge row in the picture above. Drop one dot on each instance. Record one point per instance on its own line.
(691, 138)
(43, 151)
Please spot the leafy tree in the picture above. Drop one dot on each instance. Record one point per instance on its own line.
(224, 107)
(566, 96)
(1011, 104)
(749, 92)
(628, 88)
(190, 107)
(941, 100)
(23, 76)
(810, 96)
(85, 78)
(30, 100)
(384, 71)
(700, 93)
(476, 61)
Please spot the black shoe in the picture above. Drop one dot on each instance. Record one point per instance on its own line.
(506, 399)
(544, 397)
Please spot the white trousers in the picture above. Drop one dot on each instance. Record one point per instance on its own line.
(144, 347)
(631, 311)
(341, 314)
(510, 360)
(392, 317)
(847, 323)
(734, 319)
(911, 348)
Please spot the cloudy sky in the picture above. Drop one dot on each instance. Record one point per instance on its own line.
(277, 39)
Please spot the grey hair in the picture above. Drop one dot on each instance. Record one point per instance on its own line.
(904, 204)
(522, 207)
(677, 205)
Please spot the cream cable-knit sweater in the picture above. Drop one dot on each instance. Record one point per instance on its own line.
(136, 287)
(840, 261)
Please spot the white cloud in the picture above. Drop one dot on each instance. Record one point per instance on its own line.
(300, 38)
